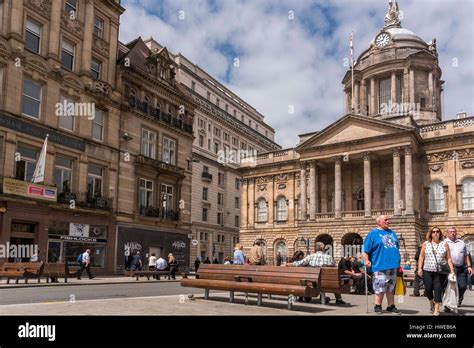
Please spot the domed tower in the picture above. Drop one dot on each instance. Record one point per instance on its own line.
(397, 78)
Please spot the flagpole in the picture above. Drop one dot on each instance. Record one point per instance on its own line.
(352, 78)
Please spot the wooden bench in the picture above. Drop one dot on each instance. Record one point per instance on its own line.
(306, 282)
(58, 270)
(155, 274)
(19, 270)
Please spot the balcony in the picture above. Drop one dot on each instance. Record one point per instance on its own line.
(206, 176)
(165, 214)
(159, 115)
(86, 200)
(160, 166)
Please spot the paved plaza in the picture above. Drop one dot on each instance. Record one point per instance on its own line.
(124, 295)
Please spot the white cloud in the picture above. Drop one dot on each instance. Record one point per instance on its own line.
(300, 62)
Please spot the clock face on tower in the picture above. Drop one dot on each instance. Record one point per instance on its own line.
(382, 40)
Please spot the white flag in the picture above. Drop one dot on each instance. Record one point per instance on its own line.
(38, 175)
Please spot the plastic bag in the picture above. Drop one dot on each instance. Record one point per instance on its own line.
(450, 298)
(400, 289)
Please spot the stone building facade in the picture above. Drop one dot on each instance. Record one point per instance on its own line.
(389, 155)
(63, 52)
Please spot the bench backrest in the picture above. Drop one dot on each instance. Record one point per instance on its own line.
(329, 279)
(32, 267)
(55, 267)
(259, 274)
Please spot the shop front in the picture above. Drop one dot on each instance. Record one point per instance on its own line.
(150, 241)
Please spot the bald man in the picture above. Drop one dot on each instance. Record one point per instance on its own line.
(381, 252)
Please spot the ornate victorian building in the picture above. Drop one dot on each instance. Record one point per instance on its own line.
(390, 154)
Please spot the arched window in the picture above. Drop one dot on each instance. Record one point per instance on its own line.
(280, 247)
(436, 197)
(469, 240)
(389, 197)
(262, 212)
(133, 97)
(146, 104)
(158, 107)
(467, 194)
(282, 209)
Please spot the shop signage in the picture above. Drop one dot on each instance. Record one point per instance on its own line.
(78, 230)
(79, 239)
(28, 189)
(40, 132)
(194, 242)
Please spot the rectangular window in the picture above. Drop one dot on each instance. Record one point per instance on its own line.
(27, 164)
(205, 169)
(226, 108)
(220, 219)
(66, 120)
(169, 147)
(70, 6)
(99, 27)
(31, 103)
(235, 141)
(146, 193)
(216, 147)
(63, 174)
(385, 87)
(148, 143)
(218, 101)
(98, 125)
(209, 127)
(237, 184)
(67, 55)
(201, 140)
(209, 144)
(237, 202)
(204, 214)
(167, 197)
(94, 181)
(226, 137)
(221, 179)
(193, 85)
(208, 95)
(32, 36)
(96, 68)
(235, 113)
(204, 193)
(237, 222)
(220, 198)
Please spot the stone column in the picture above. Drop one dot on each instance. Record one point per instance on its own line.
(244, 205)
(303, 200)
(337, 188)
(87, 43)
(113, 54)
(16, 20)
(312, 190)
(393, 90)
(356, 97)
(397, 183)
(408, 182)
(376, 204)
(412, 86)
(251, 202)
(430, 90)
(324, 191)
(55, 29)
(372, 107)
(363, 98)
(367, 185)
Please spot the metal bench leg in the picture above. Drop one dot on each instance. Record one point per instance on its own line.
(47, 279)
(259, 299)
(323, 298)
(206, 294)
(158, 277)
(269, 296)
(138, 278)
(8, 280)
(17, 280)
(39, 279)
(231, 297)
(290, 302)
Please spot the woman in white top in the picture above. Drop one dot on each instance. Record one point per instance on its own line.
(152, 262)
(434, 253)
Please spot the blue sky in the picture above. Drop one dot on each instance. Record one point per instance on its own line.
(296, 58)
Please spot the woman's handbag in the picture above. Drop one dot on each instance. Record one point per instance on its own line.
(400, 289)
(442, 268)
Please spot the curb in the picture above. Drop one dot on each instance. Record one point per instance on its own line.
(36, 285)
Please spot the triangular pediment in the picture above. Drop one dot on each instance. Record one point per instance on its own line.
(353, 127)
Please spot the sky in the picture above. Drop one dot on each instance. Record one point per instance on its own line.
(292, 53)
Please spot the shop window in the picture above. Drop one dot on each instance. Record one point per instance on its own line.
(25, 168)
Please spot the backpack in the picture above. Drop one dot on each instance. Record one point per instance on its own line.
(79, 259)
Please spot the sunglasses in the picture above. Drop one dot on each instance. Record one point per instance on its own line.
(436, 231)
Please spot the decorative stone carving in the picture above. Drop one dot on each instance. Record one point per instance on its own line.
(43, 7)
(281, 186)
(393, 15)
(281, 177)
(396, 152)
(263, 180)
(448, 155)
(102, 88)
(100, 46)
(435, 168)
(467, 164)
(262, 187)
(74, 26)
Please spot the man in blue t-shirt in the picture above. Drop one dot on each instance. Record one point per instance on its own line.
(382, 254)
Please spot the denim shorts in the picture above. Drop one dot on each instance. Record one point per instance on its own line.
(384, 281)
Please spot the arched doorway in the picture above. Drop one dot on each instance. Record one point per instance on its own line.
(263, 244)
(328, 242)
(282, 248)
(300, 244)
(351, 244)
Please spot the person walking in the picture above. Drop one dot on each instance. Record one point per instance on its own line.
(197, 263)
(461, 261)
(152, 262)
(257, 256)
(434, 253)
(381, 252)
(239, 258)
(137, 263)
(85, 264)
(173, 265)
(469, 276)
(318, 259)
